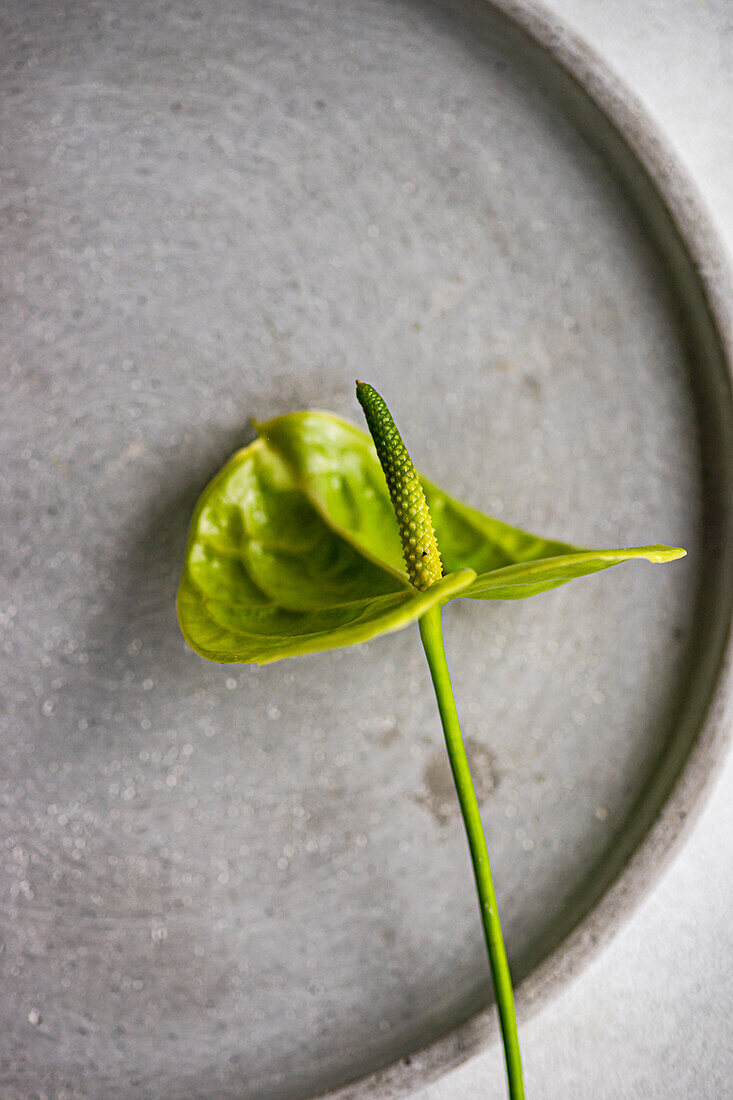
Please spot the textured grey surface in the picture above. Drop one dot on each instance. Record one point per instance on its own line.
(650, 1019)
(215, 882)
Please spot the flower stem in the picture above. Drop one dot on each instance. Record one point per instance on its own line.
(431, 634)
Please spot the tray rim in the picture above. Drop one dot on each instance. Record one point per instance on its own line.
(643, 144)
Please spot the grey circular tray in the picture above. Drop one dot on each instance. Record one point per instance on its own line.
(253, 883)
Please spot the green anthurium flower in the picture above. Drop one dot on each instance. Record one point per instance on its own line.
(314, 537)
(295, 547)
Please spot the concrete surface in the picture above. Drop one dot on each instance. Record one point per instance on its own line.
(651, 1017)
(160, 865)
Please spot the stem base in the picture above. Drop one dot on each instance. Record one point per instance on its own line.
(431, 634)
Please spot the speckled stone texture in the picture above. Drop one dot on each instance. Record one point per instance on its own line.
(650, 1018)
(242, 882)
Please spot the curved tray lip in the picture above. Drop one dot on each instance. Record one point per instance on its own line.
(677, 195)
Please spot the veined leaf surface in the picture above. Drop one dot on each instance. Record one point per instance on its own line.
(294, 548)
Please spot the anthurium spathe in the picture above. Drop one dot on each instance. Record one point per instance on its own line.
(294, 547)
(317, 535)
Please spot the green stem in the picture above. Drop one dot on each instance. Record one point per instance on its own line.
(431, 633)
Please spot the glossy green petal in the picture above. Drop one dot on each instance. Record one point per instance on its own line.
(529, 578)
(294, 548)
(226, 632)
(337, 467)
(266, 576)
